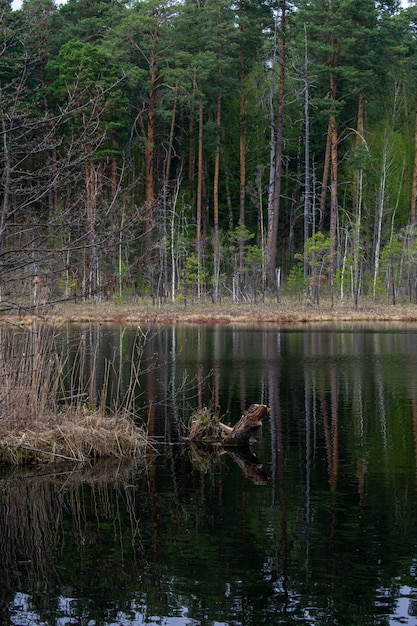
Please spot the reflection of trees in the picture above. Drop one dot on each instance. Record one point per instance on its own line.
(278, 489)
(340, 440)
(51, 528)
(356, 423)
(414, 414)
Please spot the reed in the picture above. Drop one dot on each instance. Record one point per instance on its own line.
(42, 511)
(40, 420)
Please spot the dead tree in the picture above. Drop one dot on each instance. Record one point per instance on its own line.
(250, 421)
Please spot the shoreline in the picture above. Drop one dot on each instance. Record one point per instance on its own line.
(41, 429)
(209, 313)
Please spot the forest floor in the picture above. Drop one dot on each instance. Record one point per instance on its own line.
(144, 312)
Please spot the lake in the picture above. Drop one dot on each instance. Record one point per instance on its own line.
(315, 524)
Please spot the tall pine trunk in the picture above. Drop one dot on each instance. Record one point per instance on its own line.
(216, 242)
(333, 178)
(325, 180)
(200, 183)
(148, 131)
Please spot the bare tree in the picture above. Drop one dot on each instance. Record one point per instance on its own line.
(277, 136)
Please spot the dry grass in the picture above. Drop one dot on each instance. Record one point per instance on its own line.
(72, 436)
(226, 312)
(39, 422)
(205, 426)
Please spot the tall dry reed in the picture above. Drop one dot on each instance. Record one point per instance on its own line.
(44, 418)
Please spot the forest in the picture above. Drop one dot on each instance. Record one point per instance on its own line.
(208, 149)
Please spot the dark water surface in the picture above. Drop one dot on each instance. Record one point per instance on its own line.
(320, 528)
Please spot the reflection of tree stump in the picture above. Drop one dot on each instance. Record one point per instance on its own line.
(249, 464)
(250, 421)
(206, 430)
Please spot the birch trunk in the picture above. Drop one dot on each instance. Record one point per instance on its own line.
(307, 199)
(200, 182)
(242, 153)
(357, 195)
(380, 215)
(414, 182)
(276, 151)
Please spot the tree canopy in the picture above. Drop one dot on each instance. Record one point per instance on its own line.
(204, 148)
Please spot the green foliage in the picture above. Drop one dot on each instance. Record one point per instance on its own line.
(297, 282)
(317, 252)
(253, 256)
(392, 252)
(240, 234)
(380, 288)
(195, 275)
(120, 85)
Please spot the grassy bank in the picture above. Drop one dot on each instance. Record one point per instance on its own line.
(46, 414)
(144, 312)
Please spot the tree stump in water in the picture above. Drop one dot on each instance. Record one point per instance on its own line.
(206, 429)
(250, 421)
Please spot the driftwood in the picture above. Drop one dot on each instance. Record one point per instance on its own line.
(207, 428)
(250, 421)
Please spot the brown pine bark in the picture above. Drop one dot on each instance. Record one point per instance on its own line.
(216, 242)
(171, 140)
(325, 180)
(149, 174)
(217, 168)
(333, 157)
(333, 176)
(200, 174)
(191, 134)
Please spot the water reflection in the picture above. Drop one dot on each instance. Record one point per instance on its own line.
(328, 535)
